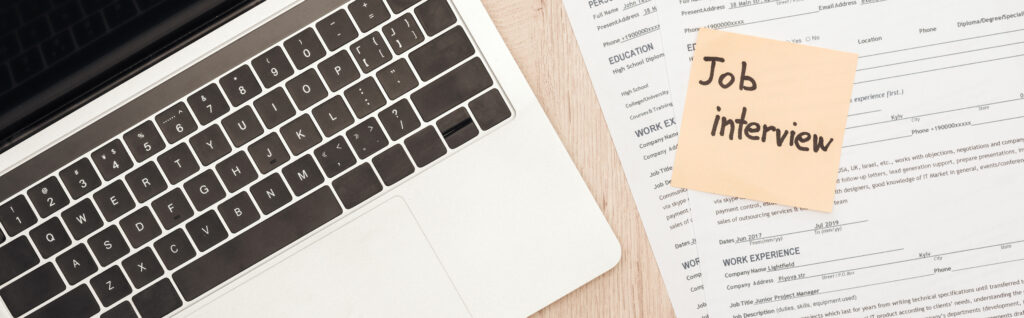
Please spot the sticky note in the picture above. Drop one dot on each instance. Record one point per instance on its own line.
(764, 120)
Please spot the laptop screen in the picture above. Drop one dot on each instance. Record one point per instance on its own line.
(55, 55)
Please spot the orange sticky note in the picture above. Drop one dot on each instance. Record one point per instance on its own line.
(764, 120)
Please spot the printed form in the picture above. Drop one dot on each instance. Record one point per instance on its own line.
(926, 222)
(622, 48)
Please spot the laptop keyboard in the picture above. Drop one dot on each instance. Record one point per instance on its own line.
(341, 110)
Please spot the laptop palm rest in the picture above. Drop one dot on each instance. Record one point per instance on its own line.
(377, 266)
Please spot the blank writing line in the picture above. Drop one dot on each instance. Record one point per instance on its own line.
(998, 120)
(938, 56)
(986, 265)
(871, 142)
(938, 69)
(941, 43)
(864, 113)
(772, 19)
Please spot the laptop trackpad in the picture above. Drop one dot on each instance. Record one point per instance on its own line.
(380, 265)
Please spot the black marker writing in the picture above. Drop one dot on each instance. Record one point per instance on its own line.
(754, 131)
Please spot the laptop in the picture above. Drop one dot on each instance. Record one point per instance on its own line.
(341, 158)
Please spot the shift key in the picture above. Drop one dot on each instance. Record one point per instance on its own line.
(452, 89)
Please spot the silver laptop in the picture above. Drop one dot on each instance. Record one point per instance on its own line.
(366, 158)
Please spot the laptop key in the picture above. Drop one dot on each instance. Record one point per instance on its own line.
(111, 286)
(338, 70)
(332, 116)
(15, 258)
(306, 89)
(274, 108)
(172, 209)
(204, 190)
(365, 97)
(114, 201)
(175, 123)
(210, 145)
(403, 33)
(357, 185)
(489, 109)
(122, 310)
(393, 165)
(272, 67)
(400, 5)
(451, 89)
(33, 289)
(140, 227)
(300, 134)
(50, 238)
(142, 267)
(206, 231)
(82, 219)
(370, 52)
(369, 13)
(268, 153)
(208, 104)
(435, 15)
(238, 212)
(108, 245)
(157, 300)
(174, 249)
(16, 216)
(143, 141)
(303, 175)
(367, 138)
(399, 120)
(47, 197)
(304, 48)
(112, 160)
(256, 244)
(270, 193)
(442, 53)
(242, 126)
(80, 178)
(236, 172)
(240, 85)
(146, 182)
(178, 163)
(76, 303)
(336, 29)
(457, 128)
(397, 79)
(335, 156)
(76, 264)
(425, 146)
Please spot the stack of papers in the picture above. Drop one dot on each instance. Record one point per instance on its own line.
(923, 220)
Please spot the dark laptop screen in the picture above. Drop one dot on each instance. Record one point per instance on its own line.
(57, 54)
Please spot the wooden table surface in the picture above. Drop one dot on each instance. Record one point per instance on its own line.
(541, 39)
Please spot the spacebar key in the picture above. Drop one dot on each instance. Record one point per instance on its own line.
(257, 243)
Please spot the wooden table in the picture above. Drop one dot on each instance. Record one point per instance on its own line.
(541, 39)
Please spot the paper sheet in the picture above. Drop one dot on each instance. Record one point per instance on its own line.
(622, 48)
(925, 222)
(764, 119)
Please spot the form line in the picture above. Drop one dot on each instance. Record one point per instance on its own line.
(939, 69)
(772, 19)
(936, 113)
(797, 232)
(991, 264)
(938, 56)
(841, 259)
(871, 142)
(941, 43)
(998, 120)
